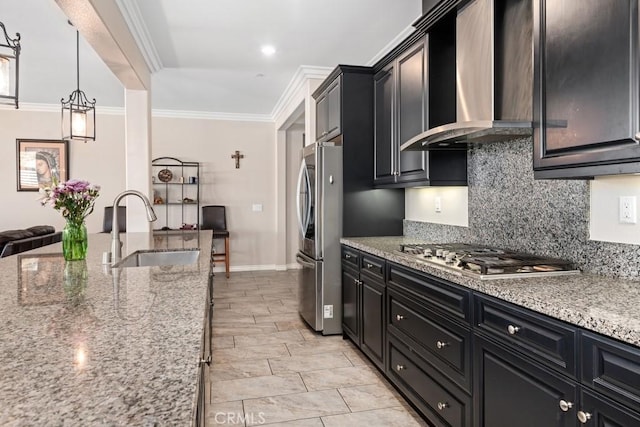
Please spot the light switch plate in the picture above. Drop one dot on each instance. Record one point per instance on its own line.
(256, 207)
(438, 204)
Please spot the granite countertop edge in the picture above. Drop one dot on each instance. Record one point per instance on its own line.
(608, 306)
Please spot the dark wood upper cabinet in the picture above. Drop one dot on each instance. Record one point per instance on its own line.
(586, 118)
(328, 112)
(402, 103)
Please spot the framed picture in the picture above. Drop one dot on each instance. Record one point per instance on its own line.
(40, 279)
(39, 161)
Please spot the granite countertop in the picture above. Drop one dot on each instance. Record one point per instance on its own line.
(605, 305)
(83, 346)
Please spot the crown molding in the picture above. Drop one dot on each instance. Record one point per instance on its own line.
(302, 74)
(206, 115)
(137, 27)
(389, 46)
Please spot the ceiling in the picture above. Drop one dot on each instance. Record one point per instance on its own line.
(205, 55)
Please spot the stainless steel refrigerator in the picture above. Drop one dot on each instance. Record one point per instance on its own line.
(319, 209)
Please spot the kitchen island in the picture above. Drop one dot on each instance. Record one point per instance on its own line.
(84, 345)
(601, 304)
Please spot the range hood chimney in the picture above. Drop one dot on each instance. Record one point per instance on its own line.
(494, 80)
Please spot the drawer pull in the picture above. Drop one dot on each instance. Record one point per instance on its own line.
(347, 256)
(400, 317)
(369, 265)
(583, 417)
(565, 406)
(441, 344)
(513, 329)
(400, 368)
(442, 406)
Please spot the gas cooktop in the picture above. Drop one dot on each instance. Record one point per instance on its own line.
(486, 262)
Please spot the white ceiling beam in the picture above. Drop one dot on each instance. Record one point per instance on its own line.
(101, 23)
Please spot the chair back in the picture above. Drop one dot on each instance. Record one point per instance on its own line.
(107, 220)
(214, 217)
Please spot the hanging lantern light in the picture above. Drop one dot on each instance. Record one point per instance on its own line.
(9, 67)
(78, 113)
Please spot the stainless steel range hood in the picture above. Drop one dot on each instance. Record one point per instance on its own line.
(493, 77)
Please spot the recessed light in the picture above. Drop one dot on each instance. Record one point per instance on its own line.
(268, 50)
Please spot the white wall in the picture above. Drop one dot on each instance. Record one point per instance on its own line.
(420, 205)
(211, 143)
(100, 162)
(605, 194)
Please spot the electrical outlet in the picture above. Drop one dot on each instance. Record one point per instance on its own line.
(438, 203)
(628, 210)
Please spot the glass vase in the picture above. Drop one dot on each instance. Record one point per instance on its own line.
(74, 241)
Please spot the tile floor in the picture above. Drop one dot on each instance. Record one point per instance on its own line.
(270, 368)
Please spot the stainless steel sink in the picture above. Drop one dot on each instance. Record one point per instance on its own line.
(156, 258)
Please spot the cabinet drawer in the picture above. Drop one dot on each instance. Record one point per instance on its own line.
(437, 293)
(443, 405)
(611, 367)
(606, 413)
(351, 257)
(448, 345)
(544, 339)
(372, 266)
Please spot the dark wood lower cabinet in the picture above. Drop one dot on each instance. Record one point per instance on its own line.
(350, 303)
(443, 404)
(510, 391)
(599, 411)
(463, 359)
(373, 300)
(363, 303)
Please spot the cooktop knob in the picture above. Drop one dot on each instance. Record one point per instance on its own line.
(427, 253)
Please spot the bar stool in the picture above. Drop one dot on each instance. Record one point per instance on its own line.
(214, 218)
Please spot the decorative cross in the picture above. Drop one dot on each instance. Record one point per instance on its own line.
(237, 156)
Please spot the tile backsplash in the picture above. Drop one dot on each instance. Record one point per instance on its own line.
(509, 209)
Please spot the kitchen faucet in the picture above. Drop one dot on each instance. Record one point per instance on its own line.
(116, 244)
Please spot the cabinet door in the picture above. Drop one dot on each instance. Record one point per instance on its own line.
(512, 392)
(599, 411)
(412, 111)
(350, 291)
(373, 297)
(322, 117)
(586, 87)
(334, 115)
(384, 88)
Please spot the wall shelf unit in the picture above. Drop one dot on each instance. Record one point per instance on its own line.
(176, 194)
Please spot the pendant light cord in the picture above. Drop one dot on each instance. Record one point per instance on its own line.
(78, 58)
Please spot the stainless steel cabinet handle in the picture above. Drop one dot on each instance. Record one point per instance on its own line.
(400, 368)
(369, 265)
(583, 417)
(441, 344)
(347, 256)
(442, 405)
(400, 317)
(565, 406)
(357, 282)
(512, 329)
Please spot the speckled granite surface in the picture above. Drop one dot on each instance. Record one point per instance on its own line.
(605, 305)
(81, 346)
(510, 209)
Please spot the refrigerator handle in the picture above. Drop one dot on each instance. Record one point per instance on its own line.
(303, 223)
(304, 262)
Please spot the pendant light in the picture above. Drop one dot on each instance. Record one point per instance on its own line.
(9, 61)
(78, 113)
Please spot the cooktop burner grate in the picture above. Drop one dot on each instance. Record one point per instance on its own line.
(487, 262)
